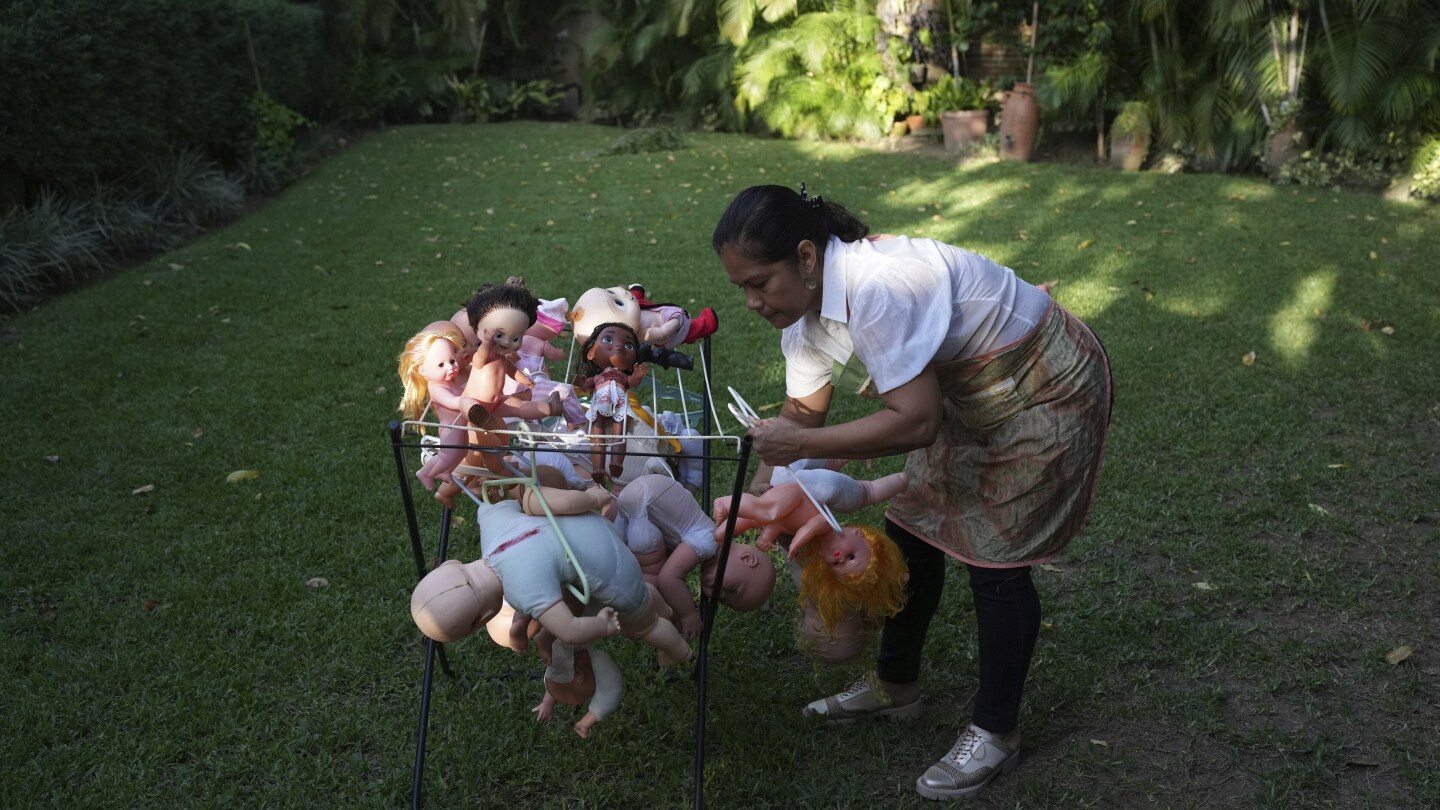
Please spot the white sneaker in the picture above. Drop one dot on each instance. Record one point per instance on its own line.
(976, 758)
(861, 700)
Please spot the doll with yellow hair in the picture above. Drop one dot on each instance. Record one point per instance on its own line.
(855, 572)
(432, 377)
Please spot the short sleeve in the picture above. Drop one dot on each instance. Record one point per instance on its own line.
(807, 369)
(898, 319)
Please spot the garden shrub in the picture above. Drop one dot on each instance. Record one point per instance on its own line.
(652, 139)
(104, 85)
(1425, 170)
(267, 155)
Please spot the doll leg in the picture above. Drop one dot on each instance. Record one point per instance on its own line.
(645, 625)
(440, 464)
(617, 450)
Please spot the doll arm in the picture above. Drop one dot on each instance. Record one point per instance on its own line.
(814, 527)
(572, 629)
(520, 632)
(638, 375)
(883, 489)
(563, 501)
(444, 396)
(546, 708)
(584, 383)
(672, 586)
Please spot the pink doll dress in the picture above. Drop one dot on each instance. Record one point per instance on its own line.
(610, 398)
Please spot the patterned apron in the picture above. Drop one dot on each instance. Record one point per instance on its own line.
(1011, 476)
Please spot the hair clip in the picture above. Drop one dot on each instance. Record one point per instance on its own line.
(815, 202)
(804, 197)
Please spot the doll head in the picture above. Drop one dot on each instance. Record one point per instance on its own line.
(455, 600)
(426, 358)
(461, 320)
(596, 307)
(749, 578)
(613, 345)
(510, 295)
(834, 581)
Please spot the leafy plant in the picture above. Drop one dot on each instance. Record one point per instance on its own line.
(961, 94)
(1133, 122)
(267, 155)
(1425, 170)
(648, 139)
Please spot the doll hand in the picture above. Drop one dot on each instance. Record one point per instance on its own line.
(765, 544)
(690, 627)
(543, 711)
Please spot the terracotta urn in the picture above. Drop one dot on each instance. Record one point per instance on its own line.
(1019, 123)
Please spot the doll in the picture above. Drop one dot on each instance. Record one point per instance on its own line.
(575, 674)
(668, 326)
(608, 372)
(598, 306)
(499, 315)
(430, 370)
(670, 536)
(525, 564)
(536, 350)
(854, 571)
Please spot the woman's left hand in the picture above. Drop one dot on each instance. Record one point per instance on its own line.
(778, 441)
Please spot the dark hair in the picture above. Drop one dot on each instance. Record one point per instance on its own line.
(765, 223)
(588, 367)
(510, 295)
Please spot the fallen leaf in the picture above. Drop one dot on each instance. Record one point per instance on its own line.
(379, 389)
(151, 604)
(198, 432)
(1389, 330)
(1365, 324)
(53, 459)
(241, 475)
(1373, 256)
(1399, 654)
(143, 490)
(1248, 359)
(1083, 245)
(1100, 743)
(1192, 260)
(1048, 627)
(241, 246)
(1340, 466)
(1315, 507)
(317, 582)
(1052, 568)
(1285, 243)
(1203, 586)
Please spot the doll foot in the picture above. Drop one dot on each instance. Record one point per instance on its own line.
(426, 480)
(616, 470)
(479, 416)
(446, 495)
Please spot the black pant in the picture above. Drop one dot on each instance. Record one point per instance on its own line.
(1007, 619)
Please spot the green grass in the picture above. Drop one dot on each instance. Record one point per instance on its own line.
(162, 648)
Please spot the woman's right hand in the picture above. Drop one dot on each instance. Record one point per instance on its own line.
(778, 441)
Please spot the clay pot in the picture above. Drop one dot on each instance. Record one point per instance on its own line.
(1019, 124)
(961, 127)
(1127, 153)
(1282, 146)
(915, 122)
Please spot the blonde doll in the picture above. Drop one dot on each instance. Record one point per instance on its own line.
(430, 372)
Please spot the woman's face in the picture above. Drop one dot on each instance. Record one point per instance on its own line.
(776, 291)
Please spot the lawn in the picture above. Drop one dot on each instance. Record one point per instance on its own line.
(1265, 535)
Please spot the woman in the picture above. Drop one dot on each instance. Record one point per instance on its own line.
(999, 396)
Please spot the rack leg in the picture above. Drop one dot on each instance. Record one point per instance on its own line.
(707, 613)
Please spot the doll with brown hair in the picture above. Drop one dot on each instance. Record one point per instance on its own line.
(608, 372)
(430, 372)
(499, 315)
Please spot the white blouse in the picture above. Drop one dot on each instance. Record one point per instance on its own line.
(899, 304)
